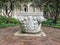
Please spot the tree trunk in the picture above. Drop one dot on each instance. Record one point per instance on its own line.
(7, 13)
(55, 19)
(8, 20)
(45, 14)
(57, 13)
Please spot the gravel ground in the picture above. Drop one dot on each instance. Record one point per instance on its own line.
(7, 37)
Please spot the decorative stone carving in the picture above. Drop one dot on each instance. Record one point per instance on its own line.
(32, 24)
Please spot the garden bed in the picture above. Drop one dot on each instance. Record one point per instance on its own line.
(7, 25)
(49, 23)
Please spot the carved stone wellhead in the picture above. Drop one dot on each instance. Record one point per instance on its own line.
(31, 21)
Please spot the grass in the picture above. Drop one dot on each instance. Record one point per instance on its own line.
(7, 25)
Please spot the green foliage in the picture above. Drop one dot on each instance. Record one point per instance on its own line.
(50, 24)
(15, 21)
(3, 19)
(59, 17)
(6, 25)
(3, 22)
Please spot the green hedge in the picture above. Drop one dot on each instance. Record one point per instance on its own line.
(7, 25)
(3, 19)
(13, 22)
(50, 24)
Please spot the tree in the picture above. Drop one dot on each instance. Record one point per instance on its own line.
(37, 4)
(8, 8)
(51, 6)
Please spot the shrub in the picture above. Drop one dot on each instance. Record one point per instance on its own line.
(15, 21)
(3, 22)
(59, 17)
(50, 24)
(3, 19)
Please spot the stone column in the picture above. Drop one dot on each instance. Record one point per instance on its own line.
(28, 7)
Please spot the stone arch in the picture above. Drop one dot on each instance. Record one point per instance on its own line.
(25, 8)
(32, 6)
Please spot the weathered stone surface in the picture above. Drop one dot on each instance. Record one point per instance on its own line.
(7, 37)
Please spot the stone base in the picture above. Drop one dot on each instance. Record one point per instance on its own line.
(19, 33)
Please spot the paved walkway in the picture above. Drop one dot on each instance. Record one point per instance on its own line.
(7, 37)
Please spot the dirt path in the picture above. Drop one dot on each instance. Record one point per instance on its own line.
(7, 37)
